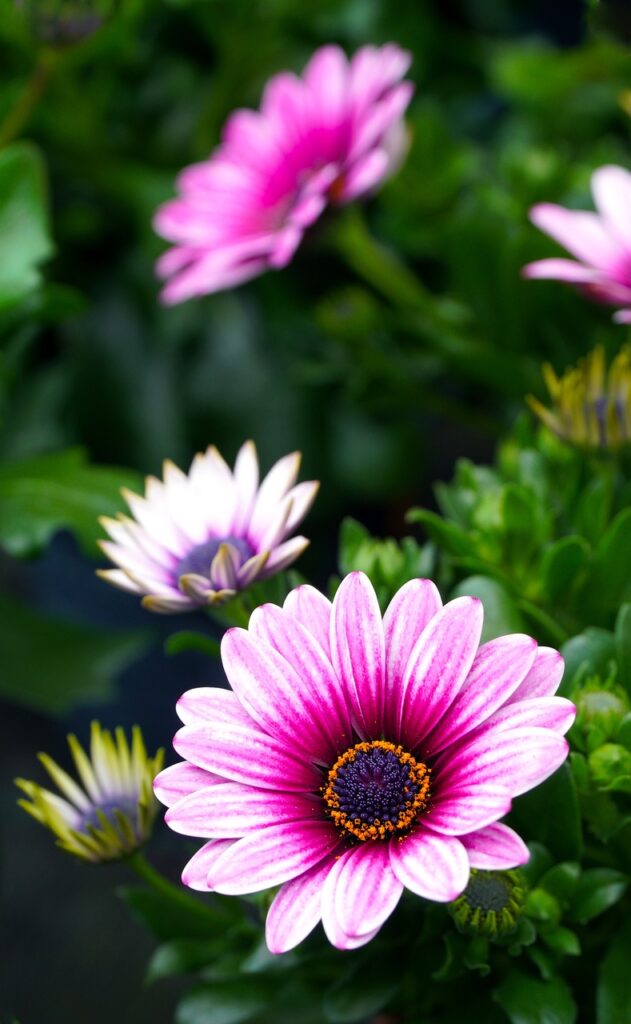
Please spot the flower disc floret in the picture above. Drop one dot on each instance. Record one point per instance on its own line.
(376, 789)
(359, 755)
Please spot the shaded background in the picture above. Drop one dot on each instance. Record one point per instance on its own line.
(516, 102)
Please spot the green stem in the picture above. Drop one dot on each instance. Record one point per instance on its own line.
(28, 99)
(139, 863)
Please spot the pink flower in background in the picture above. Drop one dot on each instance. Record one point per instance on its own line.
(198, 539)
(326, 137)
(357, 756)
(601, 242)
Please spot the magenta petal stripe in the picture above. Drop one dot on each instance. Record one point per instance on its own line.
(313, 611)
(211, 704)
(180, 780)
(520, 758)
(330, 918)
(271, 856)
(464, 808)
(555, 713)
(407, 615)
(543, 678)
(296, 909)
(438, 666)
(244, 755)
(195, 874)
(233, 810)
(495, 847)
(366, 890)
(436, 867)
(358, 649)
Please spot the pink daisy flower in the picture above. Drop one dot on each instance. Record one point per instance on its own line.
(601, 242)
(328, 136)
(198, 539)
(358, 756)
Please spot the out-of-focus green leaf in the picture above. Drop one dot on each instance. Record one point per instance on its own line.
(550, 814)
(560, 565)
(597, 890)
(167, 920)
(24, 229)
(61, 491)
(227, 1001)
(613, 995)
(591, 652)
(609, 580)
(358, 994)
(51, 665)
(187, 640)
(623, 646)
(529, 1001)
(501, 615)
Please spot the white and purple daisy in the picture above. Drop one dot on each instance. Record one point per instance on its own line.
(601, 242)
(199, 539)
(358, 756)
(328, 136)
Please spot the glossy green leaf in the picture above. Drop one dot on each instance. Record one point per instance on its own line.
(226, 1001)
(41, 495)
(550, 815)
(613, 995)
(530, 1001)
(597, 890)
(188, 640)
(561, 564)
(622, 635)
(501, 614)
(24, 229)
(609, 581)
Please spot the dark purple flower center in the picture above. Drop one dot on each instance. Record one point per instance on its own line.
(375, 789)
(199, 560)
(109, 808)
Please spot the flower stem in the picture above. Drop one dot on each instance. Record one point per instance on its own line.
(28, 99)
(139, 863)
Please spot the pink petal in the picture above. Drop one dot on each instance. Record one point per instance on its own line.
(327, 78)
(296, 909)
(195, 874)
(495, 847)
(277, 695)
(432, 866)
(366, 174)
(497, 670)
(518, 759)
(181, 779)
(558, 269)
(407, 615)
(245, 755)
(611, 187)
(232, 810)
(246, 479)
(302, 497)
(320, 689)
(464, 808)
(206, 276)
(212, 704)
(313, 610)
(582, 234)
(623, 316)
(330, 918)
(366, 890)
(282, 556)
(280, 479)
(554, 713)
(358, 650)
(271, 856)
(438, 666)
(543, 678)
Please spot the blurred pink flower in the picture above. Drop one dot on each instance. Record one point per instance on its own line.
(198, 539)
(328, 136)
(357, 756)
(600, 241)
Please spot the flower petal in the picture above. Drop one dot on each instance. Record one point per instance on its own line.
(407, 615)
(313, 610)
(195, 874)
(358, 651)
(495, 847)
(212, 704)
(181, 779)
(555, 713)
(245, 755)
(246, 480)
(271, 856)
(296, 909)
(367, 890)
(330, 919)
(432, 866)
(518, 759)
(582, 234)
(464, 808)
(438, 666)
(232, 810)
(543, 678)
(611, 187)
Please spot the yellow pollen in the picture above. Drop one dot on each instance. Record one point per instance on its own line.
(376, 789)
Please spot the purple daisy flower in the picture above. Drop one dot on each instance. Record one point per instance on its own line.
(601, 242)
(328, 136)
(199, 539)
(357, 756)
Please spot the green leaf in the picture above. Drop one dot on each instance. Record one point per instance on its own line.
(359, 994)
(227, 1001)
(42, 495)
(51, 665)
(609, 580)
(447, 535)
(24, 229)
(530, 1001)
(550, 815)
(562, 940)
(352, 537)
(188, 640)
(561, 880)
(518, 510)
(166, 919)
(613, 995)
(591, 652)
(623, 646)
(597, 890)
(501, 615)
(561, 564)
(181, 956)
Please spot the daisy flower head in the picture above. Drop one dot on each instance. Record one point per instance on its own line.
(198, 539)
(359, 755)
(600, 242)
(111, 813)
(327, 136)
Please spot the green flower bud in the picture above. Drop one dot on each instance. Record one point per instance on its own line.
(491, 905)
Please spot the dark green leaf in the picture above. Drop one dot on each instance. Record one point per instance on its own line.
(50, 665)
(24, 230)
(623, 646)
(530, 1001)
(352, 536)
(550, 815)
(613, 995)
(608, 582)
(501, 615)
(166, 919)
(359, 994)
(592, 652)
(597, 890)
(51, 492)
(447, 535)
(226, 1001)
(561, 564)
(188, 640)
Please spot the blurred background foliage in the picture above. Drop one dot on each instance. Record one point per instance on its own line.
(400, 339)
